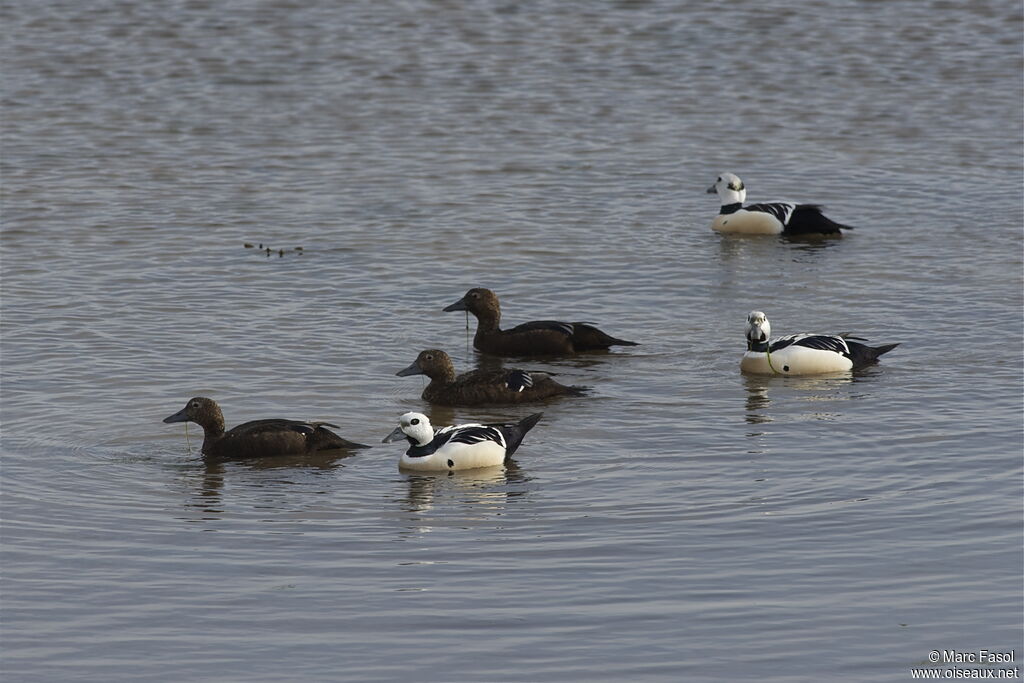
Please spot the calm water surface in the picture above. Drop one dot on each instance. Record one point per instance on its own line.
(681, 523)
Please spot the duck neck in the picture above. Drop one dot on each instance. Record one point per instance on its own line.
(488, 321)
(443, 375)
(731, 208)
(213, 431)
(758, 346)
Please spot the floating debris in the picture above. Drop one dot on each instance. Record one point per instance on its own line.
(268, 250)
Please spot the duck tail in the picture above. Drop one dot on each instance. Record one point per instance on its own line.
(587, 337)
(884, 348)
(863, 355)
(514, 433)
(325, 439)
(577, 390)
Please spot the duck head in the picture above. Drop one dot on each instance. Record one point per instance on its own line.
(203, 411)
(758, 329)
(730, 189)
(413, 426)
(434, 363)
(480, 302)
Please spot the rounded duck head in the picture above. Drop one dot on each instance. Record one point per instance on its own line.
(758, 327)
(203, 411)
(434, 363)
(730, 189)
(415, 427)
(479, 301)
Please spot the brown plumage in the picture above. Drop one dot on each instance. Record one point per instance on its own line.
(482, 387)
(258, 438)
(537, 338)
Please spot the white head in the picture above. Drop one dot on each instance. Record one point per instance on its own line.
(730, 189)
(416, 426)
(758, 327)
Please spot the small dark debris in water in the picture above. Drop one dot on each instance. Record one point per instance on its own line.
(268, 250)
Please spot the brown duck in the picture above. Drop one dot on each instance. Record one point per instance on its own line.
(482, 387)
(537, 338)
(258, 438)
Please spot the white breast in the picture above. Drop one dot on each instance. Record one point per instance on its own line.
(457, 456)
(747, 223)
(795, 360)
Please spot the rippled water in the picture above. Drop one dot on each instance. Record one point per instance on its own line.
(681, 523)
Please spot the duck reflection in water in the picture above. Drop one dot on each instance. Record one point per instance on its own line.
(790, 391)
(478, 493)
(211, 474)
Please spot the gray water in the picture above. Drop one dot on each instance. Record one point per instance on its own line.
(682, 522)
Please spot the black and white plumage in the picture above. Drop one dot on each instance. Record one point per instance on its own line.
(804, 354)
(459, 447)
(771, 218)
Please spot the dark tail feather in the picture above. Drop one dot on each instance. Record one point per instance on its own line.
(325, 439)
(587, 337)
(884, 348)
(807, 219)
(863, 355)
(514, 433)
(577, 390)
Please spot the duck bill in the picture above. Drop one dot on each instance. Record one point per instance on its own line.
(413, 369)
(459, 305)
(394, 436)
(712, 190)
(179, 416)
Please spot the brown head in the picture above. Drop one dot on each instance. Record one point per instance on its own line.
(204, 412)
(434, 363)
(481, 302)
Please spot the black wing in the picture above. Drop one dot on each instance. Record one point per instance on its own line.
(518, 380)
(476, 434)
(823, 342)
(780, 210)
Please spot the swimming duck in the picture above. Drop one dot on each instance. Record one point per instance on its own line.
(258, 438)
(462, 447)
(803, 354)
(774, 218)
(537, 338)
(482, 387)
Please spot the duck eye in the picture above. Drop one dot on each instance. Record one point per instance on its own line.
(474, 295)
(429, 356)
(414, 421)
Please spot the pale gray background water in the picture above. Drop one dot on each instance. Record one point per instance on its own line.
(683, 522)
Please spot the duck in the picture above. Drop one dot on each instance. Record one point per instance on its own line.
(459, 447)
(537, 338)
(258, 438)
(482, 387)
(804, 354)
(772, 218)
